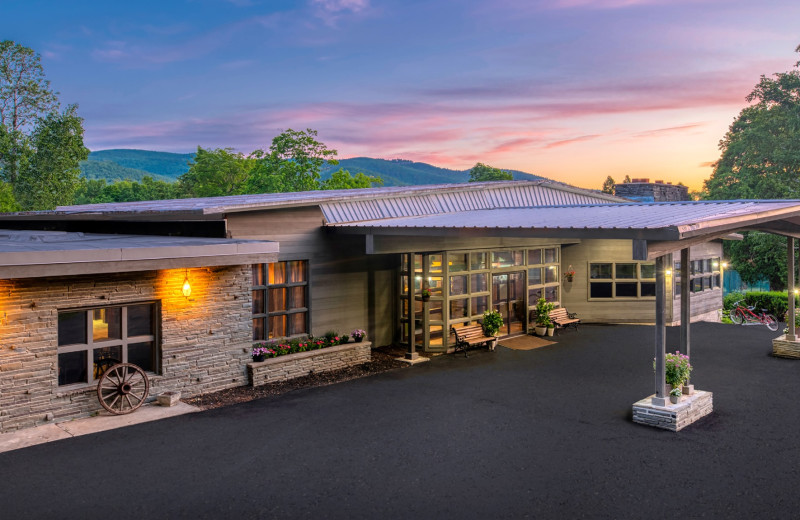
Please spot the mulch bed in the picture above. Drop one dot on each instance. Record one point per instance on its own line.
(383, 360)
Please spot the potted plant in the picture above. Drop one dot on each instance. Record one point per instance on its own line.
(675, 395)
(260, 352)
(543, 308)
(569, 273)
(676, 372)
(426, 295)
(358, 335)
(492, 321)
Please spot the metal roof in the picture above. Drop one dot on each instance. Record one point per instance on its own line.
(669, 221)
(491, 196)
(538, 191)
(26, 254)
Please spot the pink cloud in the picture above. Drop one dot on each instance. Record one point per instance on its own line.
(578, 139)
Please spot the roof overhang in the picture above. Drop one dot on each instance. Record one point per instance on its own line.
(655, 228)
(33, 254)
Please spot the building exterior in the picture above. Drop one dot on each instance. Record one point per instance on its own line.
(642, 190)
(83, 282)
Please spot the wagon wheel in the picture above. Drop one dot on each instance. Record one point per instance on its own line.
(123, 388)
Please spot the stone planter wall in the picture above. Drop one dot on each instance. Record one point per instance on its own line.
(290, 366)
(781, 347)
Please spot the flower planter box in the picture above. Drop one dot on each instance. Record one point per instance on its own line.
(290, 366)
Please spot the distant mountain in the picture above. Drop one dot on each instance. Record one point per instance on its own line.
(114, 165)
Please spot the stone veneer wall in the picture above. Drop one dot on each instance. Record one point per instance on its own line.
(674, 417)
(782, 347)
(205, 339)
(283, 368)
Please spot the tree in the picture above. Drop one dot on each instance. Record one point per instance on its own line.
(608, 185)
(342, 180)
(761, 150)
(293, 163)
(49, 175)
(40, 147)
(216, 172)
(93, 191)
(761, 160)
(482, 172)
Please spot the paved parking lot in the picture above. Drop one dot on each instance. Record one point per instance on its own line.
(544, 433)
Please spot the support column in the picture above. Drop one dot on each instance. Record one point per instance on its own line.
(791, 335)
(660, 399)
(411, 354)
(686, 312)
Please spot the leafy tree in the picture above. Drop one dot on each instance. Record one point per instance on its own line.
(627, 179)
(216, 172)
(293, 163)
(93, 191)
(608, 185)
(7, 201)
(40, 147)
(342, 180)
(759, 256)
(761, 150)
(482, 172)
(49, 175)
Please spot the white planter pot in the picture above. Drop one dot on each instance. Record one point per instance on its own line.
(550, 331)
(540, 331)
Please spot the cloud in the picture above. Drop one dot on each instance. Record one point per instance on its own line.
(332, 11)
(573, 140)
(670, 130)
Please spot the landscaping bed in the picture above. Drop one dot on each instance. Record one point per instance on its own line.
(383, 359)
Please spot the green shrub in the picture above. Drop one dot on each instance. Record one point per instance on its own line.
(776, 303)
(730, 299)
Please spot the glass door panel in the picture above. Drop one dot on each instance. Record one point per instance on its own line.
(508, 298)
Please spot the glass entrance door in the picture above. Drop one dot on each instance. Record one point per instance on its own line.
(508, 298)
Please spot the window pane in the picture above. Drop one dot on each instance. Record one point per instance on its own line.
(458, 285)
(550, 274)
(600, 290)
(502, 259)
(277, 273)
(551, 294)
(277, 299)
(404, 284)
(258, 302)
(550, 255)
(706, 282)
(258, 329)
(649, 270)
(436, 310)
(457, 261)
(626, 271)
(72, 368)
(417, 263)
(534, 295)
(297, 271)
(105, 358)
(458, 309)
(71, 328)
(626, 290)
(143, 354)
(649, 288)
(479, 305)
(140, 320)
(404, 263)
(298, 297)
(697, 285)
(707, 265)
(717, 280)
(535, 276)
(435, 263)
(277, 326)
(600, 271)
(477, 261)
(677, 288)
(479, 282)
(107, 323)
(534, 256)
(435, 284)
(297, 322)
(258, 274)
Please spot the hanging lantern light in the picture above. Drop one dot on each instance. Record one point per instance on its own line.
(187, 288)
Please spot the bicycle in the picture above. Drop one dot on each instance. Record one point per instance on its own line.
(741, 315)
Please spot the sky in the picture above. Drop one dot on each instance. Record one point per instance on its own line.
(572, 90)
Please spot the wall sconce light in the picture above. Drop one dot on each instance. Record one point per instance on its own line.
(796, 291)
(187, 288)
(668, 272)
(724, 265)
(715, 264)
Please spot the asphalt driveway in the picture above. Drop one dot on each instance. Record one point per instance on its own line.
(544, 433)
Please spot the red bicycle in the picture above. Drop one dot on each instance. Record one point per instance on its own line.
(741, 315)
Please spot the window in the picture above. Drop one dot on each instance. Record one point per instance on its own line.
(625, 280)
(280, 299)
(92, 340)
(704, 275)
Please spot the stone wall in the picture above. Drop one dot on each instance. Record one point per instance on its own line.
(287, 367)
(205, 339)
(652, 191)
(674, 417)
(782, 347)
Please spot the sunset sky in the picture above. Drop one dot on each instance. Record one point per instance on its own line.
(573, 90)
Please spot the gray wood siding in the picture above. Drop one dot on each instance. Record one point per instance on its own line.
(575, 294)
(340, 273)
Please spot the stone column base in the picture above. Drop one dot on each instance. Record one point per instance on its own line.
(673, 417)
(782, 347)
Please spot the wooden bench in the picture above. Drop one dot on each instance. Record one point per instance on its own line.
(563, 319)
(470, 336)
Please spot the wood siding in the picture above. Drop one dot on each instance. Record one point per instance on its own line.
(340, 273)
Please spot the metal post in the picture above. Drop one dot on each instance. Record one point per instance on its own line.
(660, 337)
(791, 336)
(412, 315)
(686, 305)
